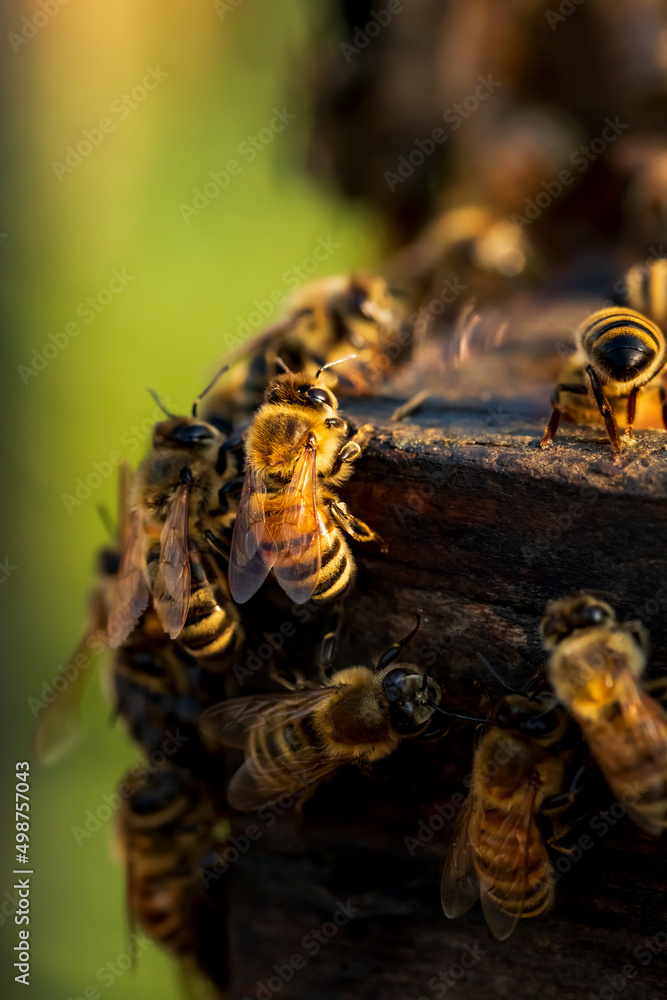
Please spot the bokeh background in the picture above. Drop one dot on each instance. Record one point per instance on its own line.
(192, 284)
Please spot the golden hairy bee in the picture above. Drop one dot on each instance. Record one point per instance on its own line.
(620, 353)
(289, 519)
(596, 665)
(324, 320)
(167, 834)
(645, 290)
(158, 688)
(175, 539)
(498, 853)
(294, 740)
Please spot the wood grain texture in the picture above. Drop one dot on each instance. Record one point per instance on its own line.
(483, 529)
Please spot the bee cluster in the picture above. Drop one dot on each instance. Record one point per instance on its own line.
(246, 498)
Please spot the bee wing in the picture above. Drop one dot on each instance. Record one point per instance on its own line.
(513, 840)
(252, 551)
(171, 591)
(459, 888)
(299, 557)
(61, 726)
(262, 778)
(129, 597)
(233, 722)
(633, 759)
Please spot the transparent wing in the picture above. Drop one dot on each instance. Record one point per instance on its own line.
(262, 778)
(299, 559)
(171, 591)
(459, 888)
(129, 596)
(231, 722)
(252, 553)
(60, 727)
(503, 907)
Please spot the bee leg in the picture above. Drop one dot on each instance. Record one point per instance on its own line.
(663, 404)
(606, 410)
(563, 800)
(353, 526)
(631, 412)
(554, 419)
(329, 645)
(395, 649)
(350, 452)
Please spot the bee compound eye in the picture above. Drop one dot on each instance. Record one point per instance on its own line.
(318, 395)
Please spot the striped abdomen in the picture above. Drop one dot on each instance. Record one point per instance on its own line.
(211, 627)
(337, 566)
(516, 870)
(165, 827)
(634, 762)
(646, 290)
(623, 346)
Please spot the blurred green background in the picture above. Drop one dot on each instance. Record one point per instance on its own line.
(63, 234)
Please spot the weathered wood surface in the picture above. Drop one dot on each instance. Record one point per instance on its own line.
(483, 528)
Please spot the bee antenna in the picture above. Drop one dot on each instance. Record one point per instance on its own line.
(208, 388)
(396, 647)
(106, 519)
(457, 715)
(497, 676)
(153, 394)
(330, 364)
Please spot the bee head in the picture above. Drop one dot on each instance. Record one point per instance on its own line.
(534, 718)
(301, 390)
(185, 432)
(566, 616)
(411, 696)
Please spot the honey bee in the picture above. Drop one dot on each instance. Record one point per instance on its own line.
(174, 540)
(166, 828)
(498, 853)
(325, 320)
(157, 687)
(290, 520)
(295, 740)
(619, 352)
(645, 290)
(595, 666)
